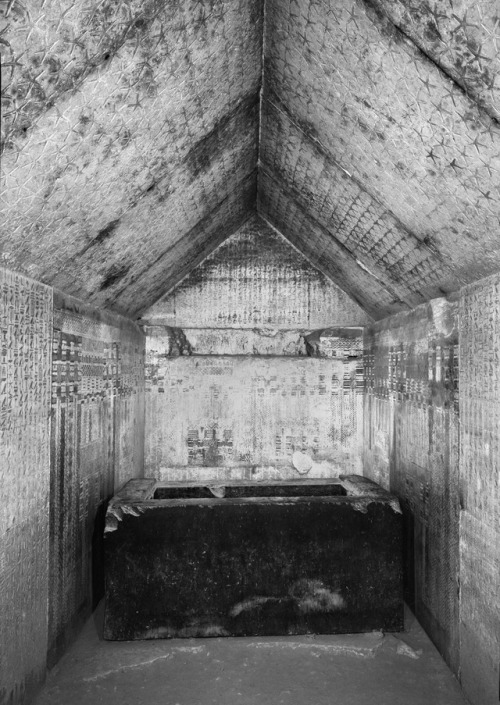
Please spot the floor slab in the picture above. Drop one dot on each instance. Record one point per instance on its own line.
(359, 669)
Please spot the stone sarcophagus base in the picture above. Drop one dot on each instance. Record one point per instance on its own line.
(312, 556)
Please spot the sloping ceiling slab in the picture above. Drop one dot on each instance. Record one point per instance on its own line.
(379, 148)
(282, 211)
(174, 264)
(127, 126)
(462, 37)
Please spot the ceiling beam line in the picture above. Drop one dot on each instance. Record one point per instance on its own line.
(261, 89)
(313, 264)
(421, 243)
(268, 170)
(195, 227)
(378, 9)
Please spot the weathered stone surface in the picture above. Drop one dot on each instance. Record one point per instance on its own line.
(479, 610)
(97, 434)
(63, 455)
(239, 410)
(323, 469)
(314, 562)
(167, 341)
(327, 254)
(26, 323)
(479, 488)
(380, 148)
(463, 41)
(345, 343)
(170, 341)
(136, 137)
(412, 447)
(125, 120)
(256, 279)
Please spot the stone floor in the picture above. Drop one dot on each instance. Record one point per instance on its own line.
(359, 669)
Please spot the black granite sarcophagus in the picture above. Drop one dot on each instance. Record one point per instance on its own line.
(312, 556)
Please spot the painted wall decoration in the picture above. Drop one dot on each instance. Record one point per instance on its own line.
(25, 353)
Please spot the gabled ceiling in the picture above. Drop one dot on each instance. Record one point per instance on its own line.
(139, 134)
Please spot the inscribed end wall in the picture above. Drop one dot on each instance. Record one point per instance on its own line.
(231, 392)
(224, 414)
(256, 279)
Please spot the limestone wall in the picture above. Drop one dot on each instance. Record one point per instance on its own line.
(97, 435)
(432, 409)
(71, 430)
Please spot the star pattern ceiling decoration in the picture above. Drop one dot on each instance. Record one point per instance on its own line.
(139, 134)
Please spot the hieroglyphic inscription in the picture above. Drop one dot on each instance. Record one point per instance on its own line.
(26, 325)
(411, 442)
(480, 488)
(97, 430)
(256, 278)
(238, 411)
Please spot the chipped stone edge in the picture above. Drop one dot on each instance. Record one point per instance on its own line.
(136, 497)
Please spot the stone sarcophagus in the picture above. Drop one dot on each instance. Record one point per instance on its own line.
(311, 556)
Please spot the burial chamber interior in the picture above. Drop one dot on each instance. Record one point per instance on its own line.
(236, 559)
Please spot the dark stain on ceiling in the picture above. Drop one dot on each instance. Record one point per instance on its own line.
(138, 135)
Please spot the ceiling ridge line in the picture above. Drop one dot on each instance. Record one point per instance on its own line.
(261, 90)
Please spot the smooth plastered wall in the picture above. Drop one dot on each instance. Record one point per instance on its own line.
(71, 433)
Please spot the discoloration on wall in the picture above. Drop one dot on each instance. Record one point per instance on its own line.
(306, 596)
(479, 490)
(380, 151)
(26, 324)
(230, 411)
(335, 342)
(141, 114)
(370, 130)
(314, 596)
(97, 445)
(225, 341)
(256, 279)
(237, 396)
(464, 42)
(412, 447)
